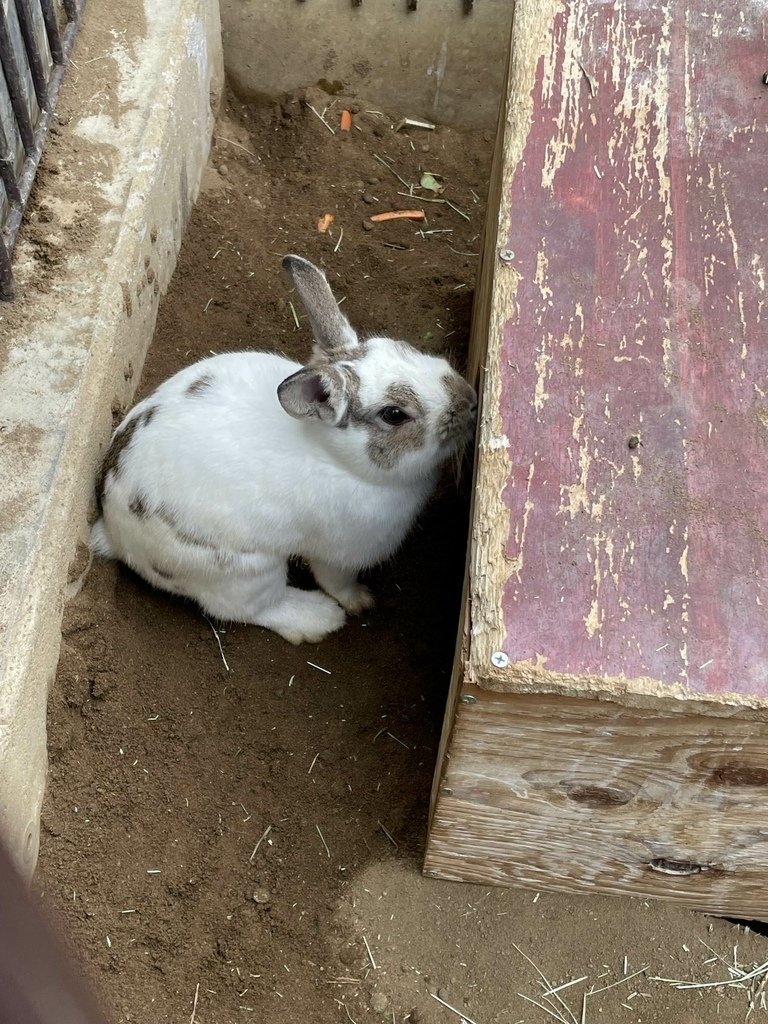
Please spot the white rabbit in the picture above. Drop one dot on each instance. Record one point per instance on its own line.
(241, 461)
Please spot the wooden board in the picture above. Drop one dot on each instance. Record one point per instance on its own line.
(623, 478)
(577, 794)
(615, 635)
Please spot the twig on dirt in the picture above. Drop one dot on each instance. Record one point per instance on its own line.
(387, 833)
(314, 762)
(231, 142)
(548, 984)
(393, 737)
(194, 1004)
(349, 1015)
(738, 980)
(459, 1013)
(370, 954)
(546, 1009)
(428, 199)
(218, 641)
(463, 253)
(621, 981)
(319, 668)
(453, 206)
(322, 840)
(264, 835)
(295, 315)
(566, 984)
(393, 171)
(336, 247)
(320, 116)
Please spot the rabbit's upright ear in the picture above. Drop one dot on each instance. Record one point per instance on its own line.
(331, 329)
(314, 392)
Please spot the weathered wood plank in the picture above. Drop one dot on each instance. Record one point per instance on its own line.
(580, 795)
(621, 527)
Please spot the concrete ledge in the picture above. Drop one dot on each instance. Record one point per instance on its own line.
(98, 249)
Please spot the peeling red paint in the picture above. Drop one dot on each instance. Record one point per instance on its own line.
(641, 249)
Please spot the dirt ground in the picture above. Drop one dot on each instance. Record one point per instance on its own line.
(236, 833)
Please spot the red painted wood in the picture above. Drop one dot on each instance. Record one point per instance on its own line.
(650, 206)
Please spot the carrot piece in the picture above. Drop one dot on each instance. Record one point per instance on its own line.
(324, 223)
(377, 218)
(346, 121)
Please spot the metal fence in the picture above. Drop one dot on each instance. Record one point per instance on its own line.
(36, 38)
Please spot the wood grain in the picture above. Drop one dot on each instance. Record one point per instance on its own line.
(580, 795)
(620, 533)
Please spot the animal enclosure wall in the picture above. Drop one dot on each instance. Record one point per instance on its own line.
(441, 59)
(607, 723)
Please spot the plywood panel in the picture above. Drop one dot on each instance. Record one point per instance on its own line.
(620, 539)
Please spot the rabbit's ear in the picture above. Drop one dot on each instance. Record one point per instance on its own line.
(311, 392)
(331, 329)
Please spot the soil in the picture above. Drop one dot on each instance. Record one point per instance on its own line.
(234, 827)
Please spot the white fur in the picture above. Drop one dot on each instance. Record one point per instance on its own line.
(228, 466)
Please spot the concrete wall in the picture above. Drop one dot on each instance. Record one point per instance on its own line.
(435, 62)
(95, 254)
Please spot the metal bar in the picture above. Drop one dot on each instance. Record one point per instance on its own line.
(37, 982)
(23, 183)
(8, 178)
(52, 28)
(30, 169)
(14, 75)
(38, 64)
(7, 287)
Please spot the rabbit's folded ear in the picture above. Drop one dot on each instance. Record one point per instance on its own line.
(311, 392)
(331, 329)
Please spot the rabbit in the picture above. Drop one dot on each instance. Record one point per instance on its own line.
(244, 460)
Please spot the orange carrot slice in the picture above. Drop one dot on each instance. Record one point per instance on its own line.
(346, 121)
(377, 218)
(324, 223)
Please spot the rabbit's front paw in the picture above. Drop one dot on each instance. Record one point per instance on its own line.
(305, 616)
(356, 599)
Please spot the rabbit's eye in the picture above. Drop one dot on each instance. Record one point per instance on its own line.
(393, 415)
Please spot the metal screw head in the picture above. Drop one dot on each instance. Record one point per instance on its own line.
(506, 255)
(467, 698)
(499, 659)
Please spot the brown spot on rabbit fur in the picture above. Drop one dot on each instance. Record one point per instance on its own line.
(405, 397)
(197, 387)
(455, 421)
(181, 533)
(120, 441)
(387, 445)
(139, 506)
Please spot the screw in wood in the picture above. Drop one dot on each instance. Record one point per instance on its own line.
(506, 255)
(499, 659)
(467, 698)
